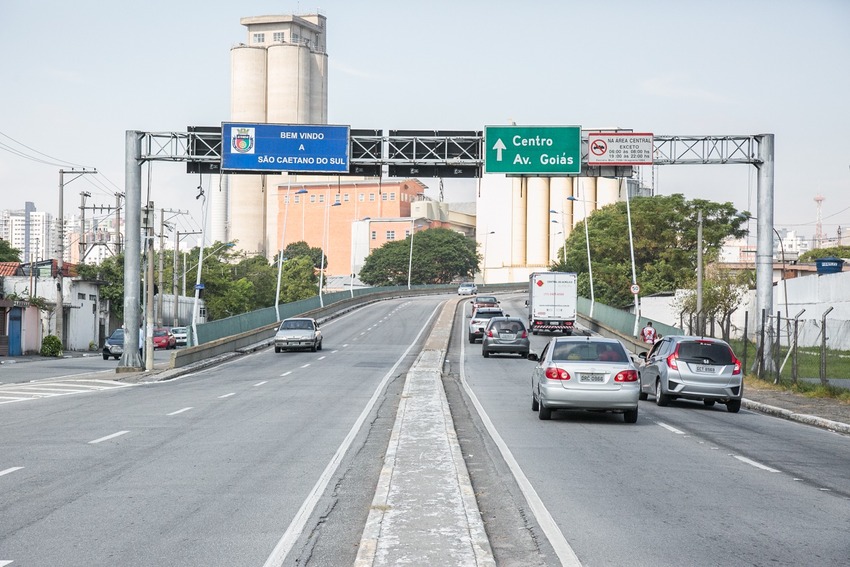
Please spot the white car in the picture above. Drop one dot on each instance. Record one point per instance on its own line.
(467, 288)
(298, 333)
(180, 335)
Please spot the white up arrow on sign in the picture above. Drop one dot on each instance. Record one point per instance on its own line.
(499, 146)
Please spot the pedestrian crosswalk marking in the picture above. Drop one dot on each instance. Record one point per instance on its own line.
(10, 393)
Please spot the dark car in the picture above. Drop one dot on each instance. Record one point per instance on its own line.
(114, 345)
(506, 335)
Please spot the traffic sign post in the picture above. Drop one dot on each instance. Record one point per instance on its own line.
(532, 150)
(619, 148)
(303, 148)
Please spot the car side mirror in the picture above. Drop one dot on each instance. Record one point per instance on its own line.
(533, 356)
(526, 303)
(642, 355)
(507, 314)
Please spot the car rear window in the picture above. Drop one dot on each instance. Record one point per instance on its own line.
(590, 351)
(488, 314)
(715, 353)
(508, 326)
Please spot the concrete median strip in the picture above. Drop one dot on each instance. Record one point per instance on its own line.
(424, 511)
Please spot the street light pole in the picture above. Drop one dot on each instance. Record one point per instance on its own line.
(587, 243)
(282, 247)
(635, 288)
(325, 237)
(486, 240)
(410, 257)
(700, 330)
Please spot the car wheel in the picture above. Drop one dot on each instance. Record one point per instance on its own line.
(534, 405)
(277, 350)
(523, 354)
(660, 398)
(708, 403)
(471, 339)
(320, 345)
(314, 347)
(105, 357)
(643, 396)
(630, 416)
(117, 357)
(733, 406)
(544, 413)
(485, 353)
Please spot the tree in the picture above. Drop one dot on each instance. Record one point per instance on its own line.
(7, 253)
(298, 280)
(665, 245)
(440, 255)
(817, 253)
(111, 271)
(301, 248)
(722, 293)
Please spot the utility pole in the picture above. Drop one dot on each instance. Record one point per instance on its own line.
(177, 236)
(82, 241)
(149, 319)
(84, 244)
(60, 306)
(162, 226)
(118, 197)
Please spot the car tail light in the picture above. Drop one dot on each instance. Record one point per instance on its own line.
(490, 333)
(672, 360)
(555, 373)
(626, 376)
(524, 334)
(736, 371)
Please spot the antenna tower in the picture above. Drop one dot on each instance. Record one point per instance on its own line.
(819, 223)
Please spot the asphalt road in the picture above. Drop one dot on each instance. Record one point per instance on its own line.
(685, 485)
(14, 370)
(227, 467)
(272, 459)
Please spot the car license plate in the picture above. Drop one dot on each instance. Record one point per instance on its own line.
(705, 369)
(507, 336)
(592, 378)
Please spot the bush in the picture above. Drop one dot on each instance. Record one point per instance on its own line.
(51, 346)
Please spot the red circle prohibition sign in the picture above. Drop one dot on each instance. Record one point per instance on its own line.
(598, 147)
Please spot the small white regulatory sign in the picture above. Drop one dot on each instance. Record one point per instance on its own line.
(619, 148)
(635, 288)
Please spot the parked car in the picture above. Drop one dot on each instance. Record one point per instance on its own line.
(479, 320)
(693, 368)
(584, 373)
(505, 335)
(181, 335)
(298, 333)
(162, 338)
(467, 288)
(484, 301)
(114, 345)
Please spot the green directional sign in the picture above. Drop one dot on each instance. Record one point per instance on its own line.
(532, 150)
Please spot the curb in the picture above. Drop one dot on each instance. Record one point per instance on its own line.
(798, 417)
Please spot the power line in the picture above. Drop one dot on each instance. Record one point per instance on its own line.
(21, 154)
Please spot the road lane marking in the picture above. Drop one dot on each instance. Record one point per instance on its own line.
(755, 464)
(292, 533)
(544, 518)
(286, 374)
(306, 365)
(227, 395)
(178, 411)
(671, 428)
(108, 437)
(321, 357)
(10, 470)
(260, 383)
(4, 563)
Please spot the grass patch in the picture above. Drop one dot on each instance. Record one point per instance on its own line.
(808, 361)
(808, 389)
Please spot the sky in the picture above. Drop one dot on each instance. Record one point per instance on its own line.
(77, 75)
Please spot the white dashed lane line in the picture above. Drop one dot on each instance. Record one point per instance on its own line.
(10, 470)
(755, 464)
(286, 374)
(671, 428)
(260, 383)
(108, 437)
(179, 411)
(227, 395)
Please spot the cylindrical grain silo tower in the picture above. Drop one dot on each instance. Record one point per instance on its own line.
(319, 89)
(284, 79)
(559, 189)
(518, 208)
(247, 104)
(607, 191)
(538, 222)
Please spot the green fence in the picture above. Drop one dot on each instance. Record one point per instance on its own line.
(620, 320)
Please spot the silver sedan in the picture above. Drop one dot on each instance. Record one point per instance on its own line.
(298, 333)
(584, 373)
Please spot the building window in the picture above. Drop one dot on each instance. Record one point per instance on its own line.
(286, 199)
(278, 36)
(390, 235)
(383, 196)
(371, 197)
(407, 233)
(297, 199)
(259, 38)
(313, 198)
(374, 235)
(337, 198)
(92, 297)
(345, 197)
(321, 198)
(392, 196)
(81, 296)
(361, 197)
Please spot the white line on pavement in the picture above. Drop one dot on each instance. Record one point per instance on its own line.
(321, 358)
(306, 365)
(227, 395)
(671, 428)
(4, 563)
(260, 383)
(755, 464)
(178, 411)
(286, 374)
(108, 437)
(10, 470)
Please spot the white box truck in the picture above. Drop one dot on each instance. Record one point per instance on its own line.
(552, 301)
